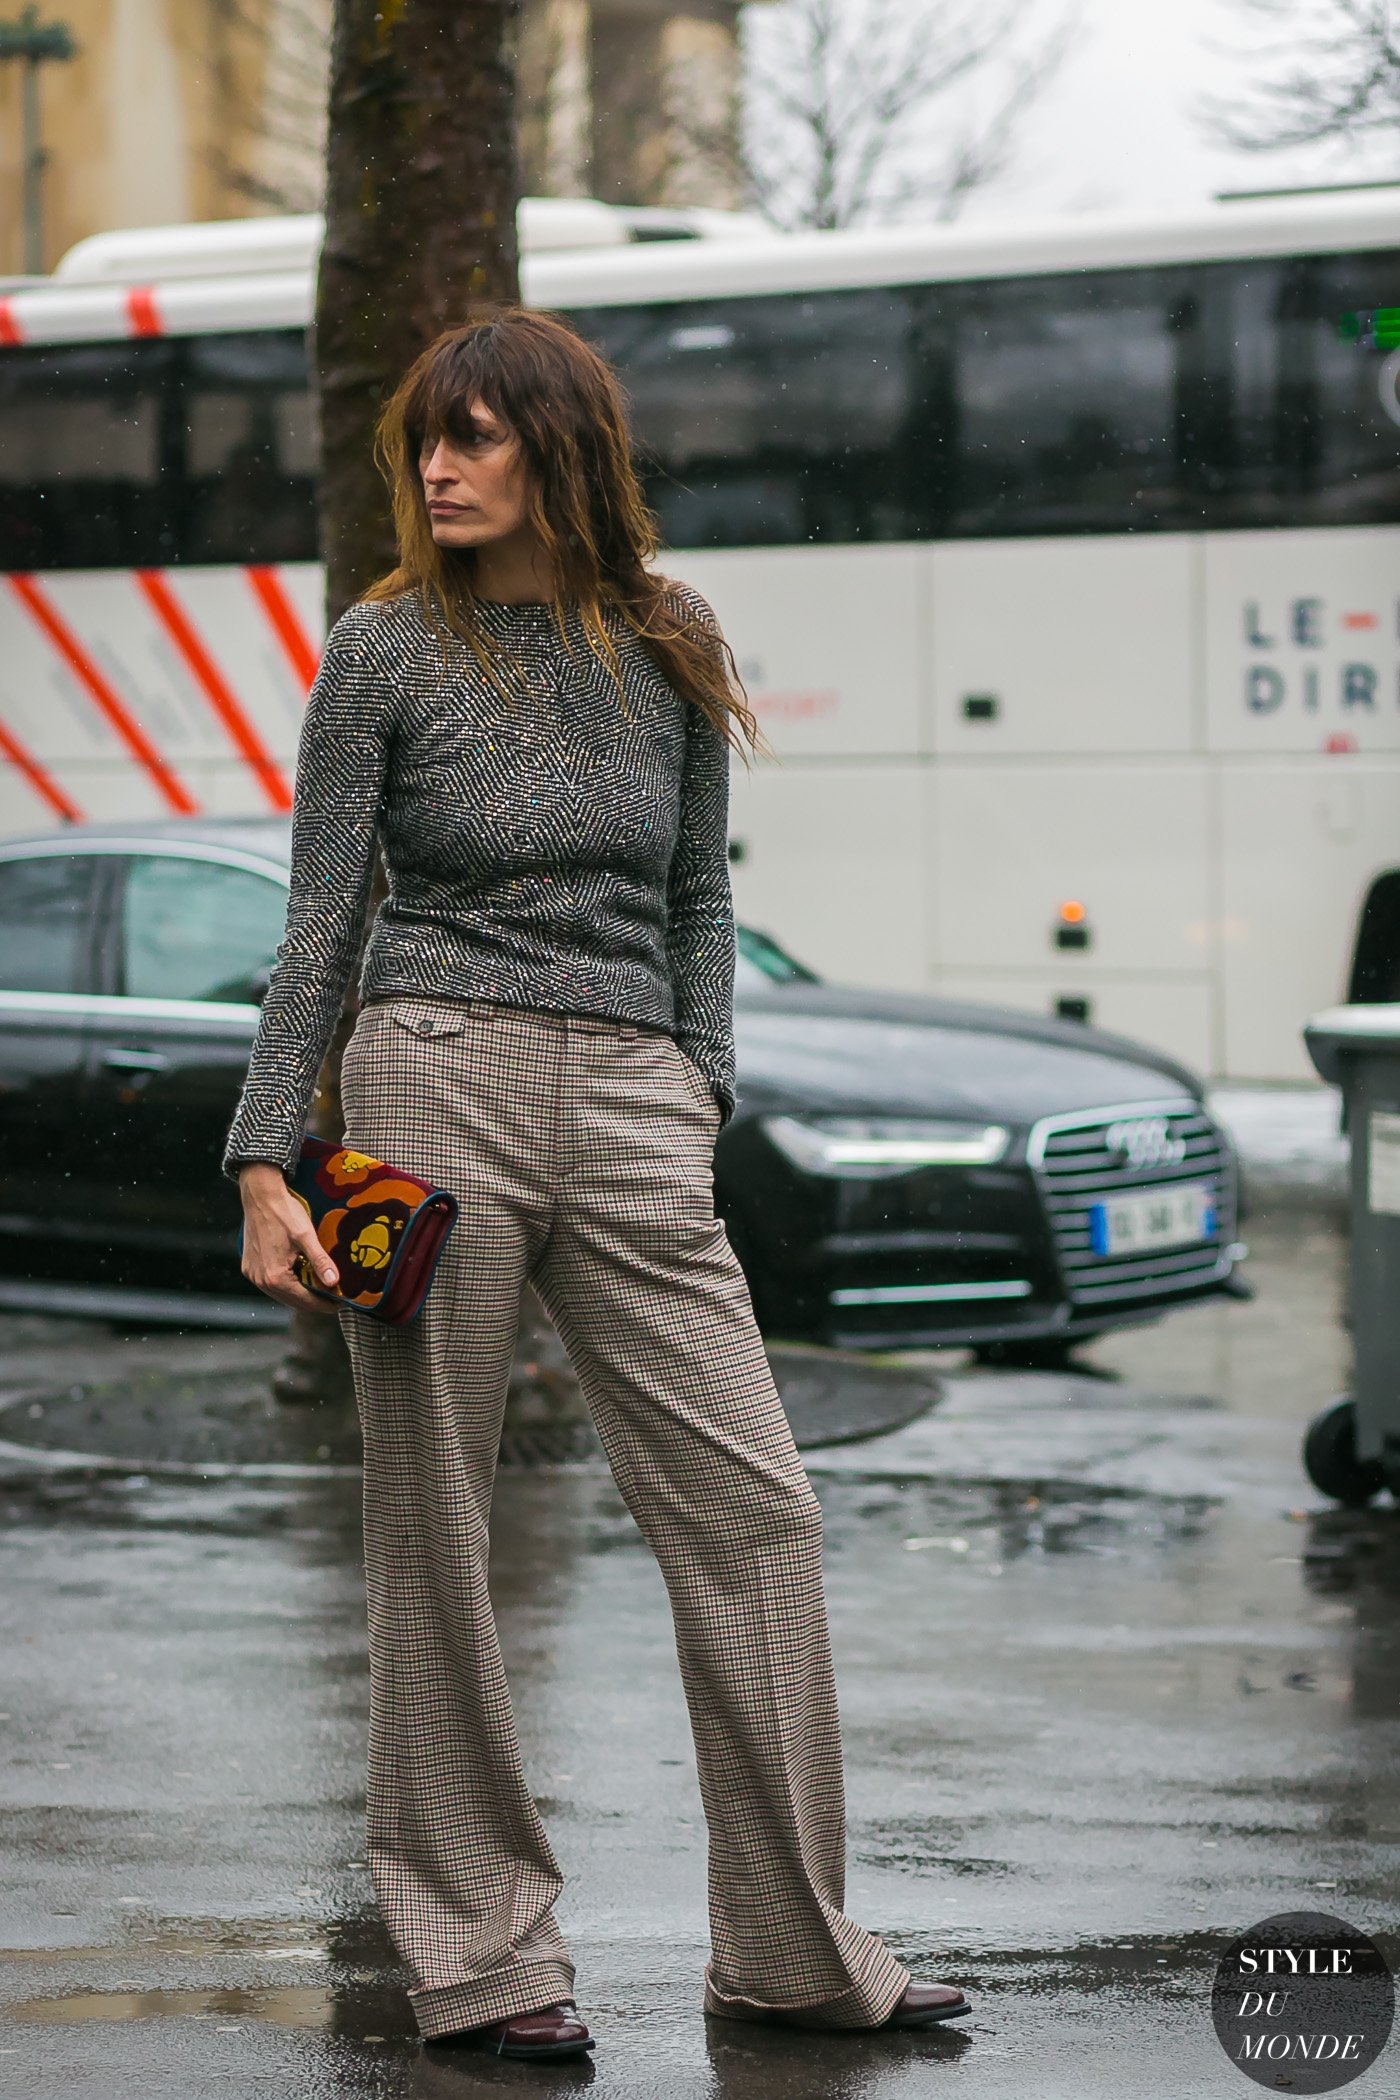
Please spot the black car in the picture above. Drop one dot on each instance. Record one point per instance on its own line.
(900, 1170)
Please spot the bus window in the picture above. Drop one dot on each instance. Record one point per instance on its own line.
(138, 455)
(1067, 403)
(1314, 443)
(778, 420)
(1134, 400)
(1172, 398)
(87, 447)
(249, 489)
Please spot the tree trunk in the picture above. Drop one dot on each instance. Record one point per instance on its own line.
(421, 193)
(420, 219)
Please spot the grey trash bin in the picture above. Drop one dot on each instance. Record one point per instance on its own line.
(1352, 1449)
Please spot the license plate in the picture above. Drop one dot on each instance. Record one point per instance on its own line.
(1181, 1216)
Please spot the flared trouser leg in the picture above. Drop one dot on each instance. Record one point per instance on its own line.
(462, 1868)
(581, 1154)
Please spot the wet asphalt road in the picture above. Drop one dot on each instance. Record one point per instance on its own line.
(1116, 1684)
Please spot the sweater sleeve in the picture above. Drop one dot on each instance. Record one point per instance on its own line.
(700, 942)
(342, 765)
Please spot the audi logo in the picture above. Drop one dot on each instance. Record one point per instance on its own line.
(1146, 1141)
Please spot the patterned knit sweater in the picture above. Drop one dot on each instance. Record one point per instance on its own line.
(562, 846)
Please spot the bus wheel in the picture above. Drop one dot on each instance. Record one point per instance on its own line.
(1330, 1460)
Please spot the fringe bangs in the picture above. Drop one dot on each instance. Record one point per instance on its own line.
(536, 374)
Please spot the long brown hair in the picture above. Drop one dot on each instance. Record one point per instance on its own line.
(564, 403)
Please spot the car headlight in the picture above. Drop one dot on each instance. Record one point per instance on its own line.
(854, 1148)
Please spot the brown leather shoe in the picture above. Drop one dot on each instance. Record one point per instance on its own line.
(554, 2031)
(923, 2005)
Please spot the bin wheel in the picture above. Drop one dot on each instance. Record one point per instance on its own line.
(1330, 1460)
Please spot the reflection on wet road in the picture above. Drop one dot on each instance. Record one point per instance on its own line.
(1116, 1684)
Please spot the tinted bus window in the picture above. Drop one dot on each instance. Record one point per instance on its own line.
(779, 421)
(137, 455)
(1211, 395)
(1314, 442)
(1220, 394)
(1067, 404)
(250, 450)
(88, 456)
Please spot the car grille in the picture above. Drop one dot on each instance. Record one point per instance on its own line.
(1076, 1168)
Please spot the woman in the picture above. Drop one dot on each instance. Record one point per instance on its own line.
(536, 727)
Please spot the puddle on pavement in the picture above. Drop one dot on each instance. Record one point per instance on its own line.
(308, 2010)
(1171, 1962)
(370, 2011)
(365, 2002)
(369, 2008)
(273, 1946)
(1009, 1520)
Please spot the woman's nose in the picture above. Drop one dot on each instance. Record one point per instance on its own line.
(437, 467)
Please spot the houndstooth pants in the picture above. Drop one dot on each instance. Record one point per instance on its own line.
(580, 1151)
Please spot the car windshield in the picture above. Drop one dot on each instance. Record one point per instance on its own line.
(760, 963)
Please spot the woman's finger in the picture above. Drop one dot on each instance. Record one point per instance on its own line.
(284, 1283)
(287, 1291)
(303, 1233)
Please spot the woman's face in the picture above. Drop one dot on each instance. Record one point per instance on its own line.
(476, 487)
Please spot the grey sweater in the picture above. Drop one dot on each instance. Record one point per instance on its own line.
(563, 848)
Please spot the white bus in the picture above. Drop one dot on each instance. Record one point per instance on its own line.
(1060, 561)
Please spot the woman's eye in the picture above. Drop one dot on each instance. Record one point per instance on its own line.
(469, 441)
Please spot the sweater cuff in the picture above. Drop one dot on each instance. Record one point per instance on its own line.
(716, 1062)
(245, 1149)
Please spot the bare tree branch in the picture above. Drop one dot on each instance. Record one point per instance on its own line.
(838, 88)
(1331, 73)
(272, 112)
(980, 156)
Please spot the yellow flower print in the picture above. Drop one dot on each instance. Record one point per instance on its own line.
(344, 1167)
(372, 1244)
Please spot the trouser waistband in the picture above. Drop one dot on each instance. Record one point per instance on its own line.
(561, 1019)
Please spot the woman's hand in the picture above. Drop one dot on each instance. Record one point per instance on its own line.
(276, 1229)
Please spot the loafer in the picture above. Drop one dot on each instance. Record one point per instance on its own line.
(923, 2005)
(553, 2031)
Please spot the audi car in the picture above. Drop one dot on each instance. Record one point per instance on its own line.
(901, 1171)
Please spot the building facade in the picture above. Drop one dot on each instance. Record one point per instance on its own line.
(632, 101)
(176, 110)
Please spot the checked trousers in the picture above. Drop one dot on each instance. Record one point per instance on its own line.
(580, 1151)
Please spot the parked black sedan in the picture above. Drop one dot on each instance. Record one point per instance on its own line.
(900, 1170)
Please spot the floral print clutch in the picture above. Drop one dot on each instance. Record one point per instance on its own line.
(384, 1229)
